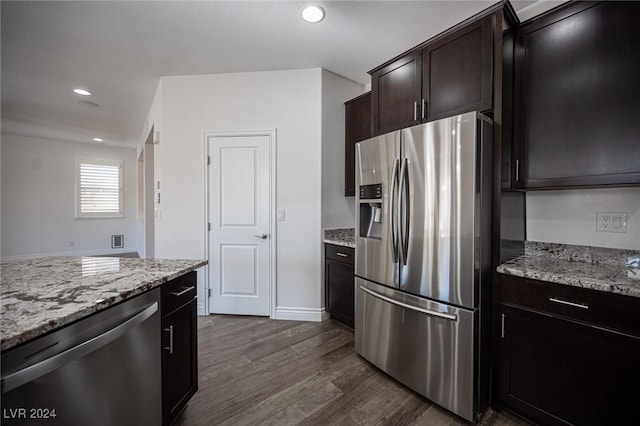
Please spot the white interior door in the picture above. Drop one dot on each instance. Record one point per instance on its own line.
(239, 213)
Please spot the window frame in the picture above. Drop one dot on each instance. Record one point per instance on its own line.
(102, 162)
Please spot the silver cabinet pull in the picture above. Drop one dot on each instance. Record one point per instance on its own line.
(261, 236)
(415, 110)
(170, 347)
(423, 109)
(503, 316)
(406, 305)
(341, 254)
(517, 170)
(186, 290)
(564, 302)
(32, 372)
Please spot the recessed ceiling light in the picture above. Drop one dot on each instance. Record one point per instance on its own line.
(98, 140)
(82, 92)
(313, 14)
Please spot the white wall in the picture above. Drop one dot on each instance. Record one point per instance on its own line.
(38, 199)
(289, 101)
(569, 216)
(338, 211)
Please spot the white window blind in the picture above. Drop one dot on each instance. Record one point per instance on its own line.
(99, 188)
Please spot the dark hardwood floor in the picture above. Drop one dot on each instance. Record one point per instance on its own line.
(257, 371)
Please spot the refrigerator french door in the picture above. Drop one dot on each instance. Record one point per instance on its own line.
(423, 243)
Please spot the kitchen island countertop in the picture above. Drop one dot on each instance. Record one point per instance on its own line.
(40, 295)
(579, 266)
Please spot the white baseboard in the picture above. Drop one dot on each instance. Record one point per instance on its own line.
(301, 314)
(103, 252)
(202, 311)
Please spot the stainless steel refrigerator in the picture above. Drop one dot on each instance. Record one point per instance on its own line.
(423, 256)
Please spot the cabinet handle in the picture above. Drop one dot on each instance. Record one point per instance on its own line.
(503, 317)
(186, 290)
(423, 109)
(341, 254)
(170, 347)
(517, 170)
(564, 302)
(415, 110)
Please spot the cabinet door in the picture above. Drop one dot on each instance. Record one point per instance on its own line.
(340, 291)
(576, 91)
(557, 371)
(179, 360)
(357, 128)
(395, 93)
(457, 71)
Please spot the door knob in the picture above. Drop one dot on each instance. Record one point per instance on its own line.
(261, 236)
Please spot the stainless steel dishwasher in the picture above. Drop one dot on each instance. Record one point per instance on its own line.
(102, 370)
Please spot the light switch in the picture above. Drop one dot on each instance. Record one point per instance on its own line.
(280, 214)
(617, 222)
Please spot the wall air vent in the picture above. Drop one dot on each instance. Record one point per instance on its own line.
(117, 241)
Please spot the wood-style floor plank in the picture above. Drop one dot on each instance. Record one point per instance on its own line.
(257, 371)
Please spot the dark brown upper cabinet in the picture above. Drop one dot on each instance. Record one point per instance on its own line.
(448, 75)
(395, 92)
(577, 97)
(357, 128)
(457, 72)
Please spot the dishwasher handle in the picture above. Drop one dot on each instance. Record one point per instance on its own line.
(28, 374)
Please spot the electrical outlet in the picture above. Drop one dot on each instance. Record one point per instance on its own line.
(611, 222)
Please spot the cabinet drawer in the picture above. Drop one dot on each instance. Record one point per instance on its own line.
(339, 253)
(591, 306)
(178, 291)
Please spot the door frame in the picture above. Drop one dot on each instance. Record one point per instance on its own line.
(149, 187)
(272, 135)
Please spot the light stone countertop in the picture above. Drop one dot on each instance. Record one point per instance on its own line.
(340, 237)
(580, 266)
(40, 295)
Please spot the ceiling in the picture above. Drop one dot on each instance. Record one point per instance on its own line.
(119, 50)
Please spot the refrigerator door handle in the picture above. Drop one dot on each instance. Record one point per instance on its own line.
(393, 219)
(404, 203)
(438, 314)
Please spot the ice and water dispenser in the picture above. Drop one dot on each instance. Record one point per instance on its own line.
(370, 205)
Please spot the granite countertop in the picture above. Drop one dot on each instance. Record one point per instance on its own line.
(43, 294)
(580, 266)
(340, 237)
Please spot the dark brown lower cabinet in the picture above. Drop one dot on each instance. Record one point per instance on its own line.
(179, 346)
(339, 283)
(557, 370)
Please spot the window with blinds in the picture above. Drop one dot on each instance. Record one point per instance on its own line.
(99, 188)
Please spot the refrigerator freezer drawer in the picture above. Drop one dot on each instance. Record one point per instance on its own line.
(425, 345)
